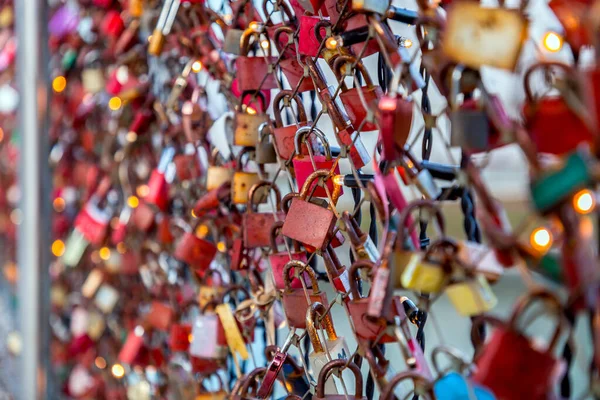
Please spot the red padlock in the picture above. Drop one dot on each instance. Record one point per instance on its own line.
(294, 300)
(257, 226)
(554, 125)
(284, 136)
(303, 166)
(509, 356)
(196, 252)
(291, 68)
(179, 336)
(254, 73)
(160, 316)
(133, 346)
(308, 42)
(279, 260)
(351, 98)
(158, 187)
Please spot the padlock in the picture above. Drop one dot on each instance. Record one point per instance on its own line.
(247, 123)
(352, 100)
(316, 231)
(471, 296)
(553, 187)
(308, 43)
(303, 165)
(265, 146)
(566, 113)
(289, 65)
(422, 386)
(197, 252)
(428, 273)
(365, 327)
(179, 336)
(92, 222)
(208, 336)
(507, 30)
(211, 200)
(242, 181)
(294, 300)
(285, 136)
(395, 122)
(92, 283)
(257, 226)
(451, 384)
(133, 345)
(163, 27)
(158, 186)
(509, 352)
(362, 245)
(346, 368)
(279, 259)
(335, 348)
(275, 367)
(257, 72)
(160, 316)
(470, 126)
(187, 166)
(233, 40)
(217, 174)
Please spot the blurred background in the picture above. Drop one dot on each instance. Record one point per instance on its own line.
(505, 173)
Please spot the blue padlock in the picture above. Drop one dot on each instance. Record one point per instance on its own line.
(454, 386)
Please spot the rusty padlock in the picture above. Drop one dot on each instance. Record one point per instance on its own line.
(257, 226)
(316, 231)
(285, 136)
(294, 300)
(254, 73)
(352, 100)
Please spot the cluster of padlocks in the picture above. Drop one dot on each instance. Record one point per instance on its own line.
(200, 152)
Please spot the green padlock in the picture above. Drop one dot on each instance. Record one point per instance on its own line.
(74, 249)
(552, 188)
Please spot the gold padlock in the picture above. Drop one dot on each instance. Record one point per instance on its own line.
(136, 8)
(242, 181)
(423, 276)
(217, 175)
(473, 296)
(477, 36)
(247, 123)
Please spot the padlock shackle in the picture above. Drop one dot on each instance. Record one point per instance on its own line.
(250, 206)
(286, 11)
(286, 96)
(301, 135)
(265, 126)
(341, 61)
(280, 31)
(337, 189)
(248, 34)
(255, 93)
(459, 361)
(417, 205)
(551, 301)
(318, 317)
(354, 276)
(239, 166)
(418, 379)
(215, 158)
(322, 24)
(567, 69)
(270, 352)
(301, 269)
(250, 380)
(340, 365)
(353, 229)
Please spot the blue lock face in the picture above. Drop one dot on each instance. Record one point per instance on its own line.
(454, 386)
(299, 384)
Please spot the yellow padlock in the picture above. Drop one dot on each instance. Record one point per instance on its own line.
(217, 175)
(472, 296)
(242, 181)
(478, 36)
(136, 8)
(423, 276)
(247, 124)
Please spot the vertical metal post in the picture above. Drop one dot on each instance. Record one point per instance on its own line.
(34, 179)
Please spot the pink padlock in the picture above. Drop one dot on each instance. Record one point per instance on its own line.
(278, 261)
